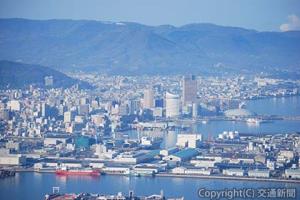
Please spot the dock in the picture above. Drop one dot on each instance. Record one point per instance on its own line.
(6, 173)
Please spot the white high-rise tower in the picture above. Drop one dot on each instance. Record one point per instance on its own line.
(172, 105)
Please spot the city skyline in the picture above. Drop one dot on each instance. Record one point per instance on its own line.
(149, 99)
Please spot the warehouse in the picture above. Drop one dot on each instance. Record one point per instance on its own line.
(292, 173)
(183, 155)
(167, 152)
(203, 162)
(233, 172)
(136, 157)
(52, 139)
(259, 173)
(12, 159)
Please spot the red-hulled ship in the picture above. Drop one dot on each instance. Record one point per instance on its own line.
(77, 171)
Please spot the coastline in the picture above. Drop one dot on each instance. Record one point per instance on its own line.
(236, 178)
(228, 178)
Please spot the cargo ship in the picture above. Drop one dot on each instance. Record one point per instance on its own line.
(77, 171)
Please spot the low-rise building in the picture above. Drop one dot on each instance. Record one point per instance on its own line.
(136, 157)
(145, 170)
(188, 140)
(12, 159)
(259, 173)
(178, 170)
(96, 165)
(54, 139)
(116, 170)
(183, 155)
(233, 172)
(167, 152)
(206, 163)
(13, 145)
(292, 173)
(191, 171)
(198, 171)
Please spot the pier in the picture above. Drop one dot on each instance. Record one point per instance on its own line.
(6, 173)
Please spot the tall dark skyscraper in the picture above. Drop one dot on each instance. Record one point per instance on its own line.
(189, 89)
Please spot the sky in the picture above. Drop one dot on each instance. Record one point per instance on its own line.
(262, 15)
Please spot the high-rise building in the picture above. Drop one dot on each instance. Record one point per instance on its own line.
(83, 101)
(83, 109)
(189, 89)
(45, 109)
(172, 105)
(134, 106)
(195, 110)
(123, 109)
(148, 99)
(68, 116)
(61, 109)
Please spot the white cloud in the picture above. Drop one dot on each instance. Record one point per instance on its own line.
(293, 24)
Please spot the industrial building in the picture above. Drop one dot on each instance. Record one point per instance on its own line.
(259, 173)
(198, 171)
(188, 140)
(191, 171)
(12, 159)
(183, 155)
(206, 163)
(56, 138)
(169, 151)
(145, 170)
(136, 157)
(292, 173)
(233, 172)
(116, 170)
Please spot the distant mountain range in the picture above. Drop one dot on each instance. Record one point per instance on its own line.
(19, 75)
(131, 48)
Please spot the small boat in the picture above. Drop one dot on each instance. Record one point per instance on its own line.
(253, 121)
(204, 121)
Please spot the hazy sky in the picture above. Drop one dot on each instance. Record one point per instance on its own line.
(255, 14)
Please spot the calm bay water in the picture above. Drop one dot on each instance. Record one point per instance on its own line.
(35, 186)
(288, 106)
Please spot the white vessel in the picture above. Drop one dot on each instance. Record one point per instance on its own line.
(255, 121)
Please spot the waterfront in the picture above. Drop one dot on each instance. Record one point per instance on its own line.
(35, 185)
(213, 128)
(288, 106)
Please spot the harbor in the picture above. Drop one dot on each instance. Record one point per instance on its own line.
(128, 173)
(29, 185)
